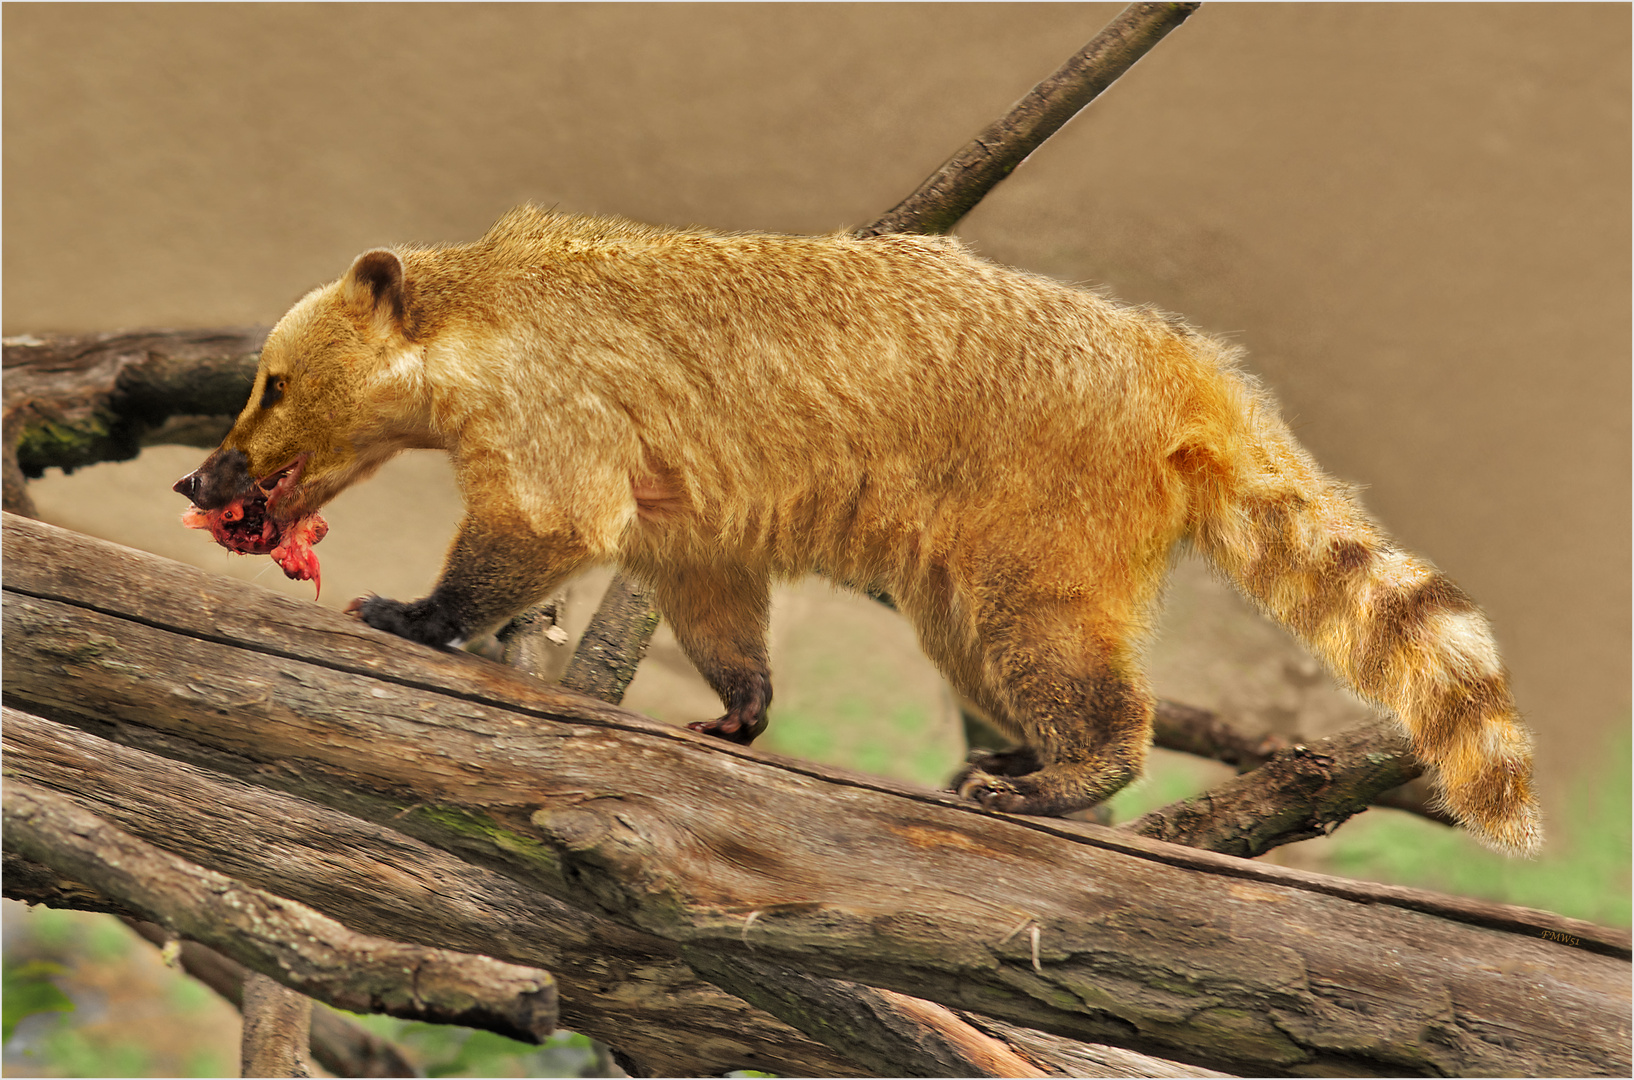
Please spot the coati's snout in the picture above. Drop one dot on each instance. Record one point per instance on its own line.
(224, 477)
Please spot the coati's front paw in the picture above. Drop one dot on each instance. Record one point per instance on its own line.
(733, 727)
(981, 778)
(420, 621)
(747, 695)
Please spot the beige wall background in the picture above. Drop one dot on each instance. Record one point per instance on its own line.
(1415, 218)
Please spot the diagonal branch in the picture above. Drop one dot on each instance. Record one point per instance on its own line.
(954, 190)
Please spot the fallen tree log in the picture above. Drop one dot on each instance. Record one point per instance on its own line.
(674, 845)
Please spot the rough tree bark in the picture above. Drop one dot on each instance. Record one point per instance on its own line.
(225, 724)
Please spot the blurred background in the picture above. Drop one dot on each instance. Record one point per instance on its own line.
(1415, 218)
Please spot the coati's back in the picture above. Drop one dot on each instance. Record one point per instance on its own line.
(783, 380)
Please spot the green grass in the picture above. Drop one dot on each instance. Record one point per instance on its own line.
(854, 735)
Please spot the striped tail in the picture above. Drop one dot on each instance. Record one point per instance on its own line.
(1389, 625)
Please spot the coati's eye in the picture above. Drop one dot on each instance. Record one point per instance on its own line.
(273, 393)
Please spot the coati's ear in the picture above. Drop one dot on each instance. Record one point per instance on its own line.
(374, 286)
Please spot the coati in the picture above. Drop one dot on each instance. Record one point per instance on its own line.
(1011, 459)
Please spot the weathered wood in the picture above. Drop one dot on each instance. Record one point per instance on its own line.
(883, 1030)
(1082, 1059)
(535, 642)
(615, 984)
(1303, 791)
(1202, 732)
(72, 400)
(613, 644)
(1138, 944)
(96, 576)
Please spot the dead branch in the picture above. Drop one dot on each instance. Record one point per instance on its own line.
(882, 1030)
(1048, 924)
(616, 984)
(613, 644)
(629, 987)
(72, 400)
(1302, 792)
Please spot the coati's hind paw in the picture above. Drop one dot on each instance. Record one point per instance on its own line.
(747, 694)
(994, 793)
(1052, 791)
(980, 779)
(420, 621)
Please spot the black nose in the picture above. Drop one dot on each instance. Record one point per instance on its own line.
(188, 485)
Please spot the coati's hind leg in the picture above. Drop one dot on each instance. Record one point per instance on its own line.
(1086, 727)
(1062, 674)
(719, 615)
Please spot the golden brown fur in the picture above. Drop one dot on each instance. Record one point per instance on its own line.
(1011, 459)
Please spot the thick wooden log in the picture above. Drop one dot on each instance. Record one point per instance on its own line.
(614, 983)
(1055, 925)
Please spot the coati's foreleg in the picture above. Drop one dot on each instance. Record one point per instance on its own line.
(719, 615)
(495, 568)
